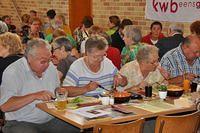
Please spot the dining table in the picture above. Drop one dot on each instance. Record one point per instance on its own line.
(133, 110)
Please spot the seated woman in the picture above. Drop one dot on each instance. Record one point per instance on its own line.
(62, 51)
(114, 22)
(60, 23)
(132, 38)
(7, 19)
(34, 32)
(144, 70)
(92, 70)
(155, 34)
(11, 49)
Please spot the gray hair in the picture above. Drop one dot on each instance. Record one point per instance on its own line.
(146, 52)
(133, 32)
(176, 28)
(63, 42)
(33, 45)
(95, 42)
(3, 27)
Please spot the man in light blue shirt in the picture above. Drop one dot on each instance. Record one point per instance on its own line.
(183, 61)
(26, 82)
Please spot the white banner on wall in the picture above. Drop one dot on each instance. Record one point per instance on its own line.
(173, 10)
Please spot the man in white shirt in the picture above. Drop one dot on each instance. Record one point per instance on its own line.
(26, 82)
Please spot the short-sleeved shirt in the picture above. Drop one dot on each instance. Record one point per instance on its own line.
(64, 64)
(19, 80)
(176, 64)
(5, 62)
(80, 75)
(134, 75)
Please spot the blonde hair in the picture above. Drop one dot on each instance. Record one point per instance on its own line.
(12, 41)
(62, 18)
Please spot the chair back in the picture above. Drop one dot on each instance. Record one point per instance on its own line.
(2, 120)
(178, 124)
(131, 127)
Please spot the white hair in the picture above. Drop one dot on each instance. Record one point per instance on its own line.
(32, 45)
(175, 27)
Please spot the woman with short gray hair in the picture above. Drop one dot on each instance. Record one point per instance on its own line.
(62, 52)
(144, 70)
(89, 74)
(132, 38)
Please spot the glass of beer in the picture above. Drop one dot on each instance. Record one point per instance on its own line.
(186, 85)
(61, 99)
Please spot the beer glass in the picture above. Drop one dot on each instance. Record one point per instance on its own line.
(61, 99)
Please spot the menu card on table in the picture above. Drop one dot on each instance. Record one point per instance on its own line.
(91, 112)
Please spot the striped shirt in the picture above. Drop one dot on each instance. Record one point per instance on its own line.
(176, 64)
(79, 75)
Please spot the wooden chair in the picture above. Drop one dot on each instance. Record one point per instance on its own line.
(2, 120)
(131, 127)
(178, 124)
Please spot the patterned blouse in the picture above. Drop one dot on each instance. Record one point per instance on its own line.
(129, 53)
(134, 75)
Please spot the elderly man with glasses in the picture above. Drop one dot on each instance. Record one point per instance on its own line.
(26, 82)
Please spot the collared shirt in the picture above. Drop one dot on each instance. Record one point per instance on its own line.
(19, 80)
(176, 64)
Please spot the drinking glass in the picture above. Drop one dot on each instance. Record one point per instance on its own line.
(61, 99)
(148, 91)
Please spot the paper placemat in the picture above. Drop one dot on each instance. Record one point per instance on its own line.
(155, 106)
(50, 105)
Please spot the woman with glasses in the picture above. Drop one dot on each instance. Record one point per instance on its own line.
(145, 70)
(93, 70)
(62, 52)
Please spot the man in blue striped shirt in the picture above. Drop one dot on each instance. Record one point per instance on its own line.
(183, 61)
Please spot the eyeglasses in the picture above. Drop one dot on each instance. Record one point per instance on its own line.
(154, 62)
(54, 49)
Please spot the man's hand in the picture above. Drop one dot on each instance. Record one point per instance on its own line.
(43, 95)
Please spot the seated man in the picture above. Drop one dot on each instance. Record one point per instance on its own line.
(26, 82)
(144, 70)
(175, 37)
(183, 61)
(87, 73)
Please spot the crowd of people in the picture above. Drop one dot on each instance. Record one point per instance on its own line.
(39, 58)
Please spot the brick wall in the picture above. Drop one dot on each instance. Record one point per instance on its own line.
(24, 6)
(102, 9)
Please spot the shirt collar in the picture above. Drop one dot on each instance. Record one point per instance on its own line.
(26, 65)
(179, 48)
(28, 69)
